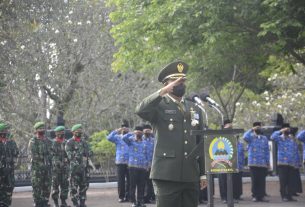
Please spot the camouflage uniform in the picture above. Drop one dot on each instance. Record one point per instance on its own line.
(60, 169)
(78, 152)
(40, 151)
(8, 153)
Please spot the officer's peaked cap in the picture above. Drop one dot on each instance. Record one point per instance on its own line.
(173, 70)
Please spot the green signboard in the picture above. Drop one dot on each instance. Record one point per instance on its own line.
(220, 153)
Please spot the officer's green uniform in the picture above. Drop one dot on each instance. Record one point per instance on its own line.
(8, 154)
(175, 172)
(60, 169)
(41, 160)
(78, 152)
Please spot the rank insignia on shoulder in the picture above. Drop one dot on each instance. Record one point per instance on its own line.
(168, 111)
(170, 127)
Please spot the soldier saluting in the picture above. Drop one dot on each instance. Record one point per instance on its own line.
(78, 152)
(60, 168)
(175, 174)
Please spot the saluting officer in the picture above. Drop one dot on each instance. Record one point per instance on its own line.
(60, 170)
(286, 160)
(121, 160)
(175, 173)
(258, 161)
(137, 164)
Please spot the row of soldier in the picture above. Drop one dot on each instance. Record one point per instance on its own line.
(59, 163)
(54, 163)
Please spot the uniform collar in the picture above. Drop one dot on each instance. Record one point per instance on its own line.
(174, 100)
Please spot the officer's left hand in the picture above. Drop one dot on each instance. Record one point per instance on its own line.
(203, 184)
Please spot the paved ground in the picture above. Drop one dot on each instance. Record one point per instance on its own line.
(107, 197)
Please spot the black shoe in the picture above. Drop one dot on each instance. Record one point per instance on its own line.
(263, 200)
(254, 199)
(292, 199)
(141, 204)
(284, 199)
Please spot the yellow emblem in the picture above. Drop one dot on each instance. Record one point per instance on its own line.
(180, 67)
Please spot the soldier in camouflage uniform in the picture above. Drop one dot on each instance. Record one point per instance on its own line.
(60, 168)
(78, 152)
(8, 153)
(41, 160)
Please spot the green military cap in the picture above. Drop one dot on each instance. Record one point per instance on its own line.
(3, 127)
(38, 125)
(173, 70)
(59, 128)
(76, 127)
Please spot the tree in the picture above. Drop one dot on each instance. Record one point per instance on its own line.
(56, 61)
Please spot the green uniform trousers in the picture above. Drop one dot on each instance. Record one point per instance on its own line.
(7, 183)
(79, 184)
(176, 194)
(41, 183)
(60, 182)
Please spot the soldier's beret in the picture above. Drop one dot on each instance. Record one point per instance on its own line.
(2, 127)
(38, 125)
(173, 70)
(138, 128)
(257, 124)
(76, 127)
(59, 128)
(146, 126)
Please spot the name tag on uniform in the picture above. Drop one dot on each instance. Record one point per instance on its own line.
(167, 111)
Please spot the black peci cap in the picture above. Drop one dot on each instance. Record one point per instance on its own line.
(257, 123)
(138, 128)
(147, 126)
(285, 125)
(227, 121)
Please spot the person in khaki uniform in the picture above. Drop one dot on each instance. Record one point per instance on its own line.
(175, 170)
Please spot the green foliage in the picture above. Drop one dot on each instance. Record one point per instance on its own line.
(224, 41)
(102, 148)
